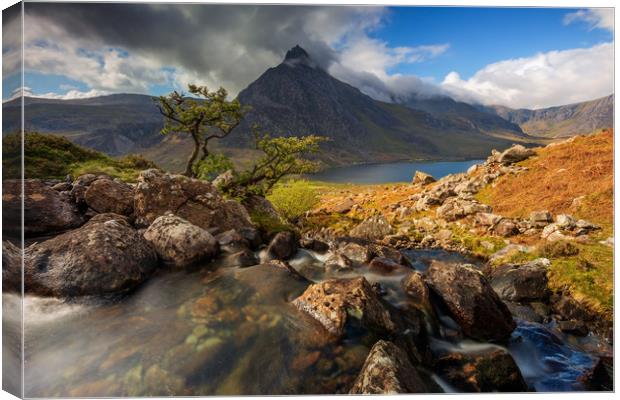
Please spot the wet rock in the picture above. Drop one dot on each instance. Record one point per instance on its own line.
(390, 253)
(251, 235)
(231, 241)
(314, 245)
(387, 370)
(515, 154)
(493, 370)
(243, 258)
(199, 202)
(262, 206)
(283, 246)
(577, 328)
(108, 196)
(570, 309)
(372, 228)
(356, 252)
(337, 263)
(45, 210)
(422, 178)
(336, 302)
(63, 187)
(524, 312)
(179, 243)
(601, 376)
(106, 255)
(11, 267)
(471, 301)
(385, 266)
(417, 290)
(522, 282)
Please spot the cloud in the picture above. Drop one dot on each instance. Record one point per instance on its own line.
(602, 18)
(69, 95)
(543, 80)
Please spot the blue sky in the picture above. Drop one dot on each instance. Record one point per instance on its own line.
(519, 57)
(480, 36)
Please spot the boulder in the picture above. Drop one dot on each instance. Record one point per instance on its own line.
(108, 196)
(45, 210)
(487, 219)
(522, 282)
(515, 154)
(283, 246)
(11, 267)
(417, 290)
(199, 202)
(336, 302)
(104, 256)
(337, 263)
(565, 221)
(568, 308)
(506, 228)
(344, 206)
(386, 266)
(387, 370)
(179, 243)
(231, 241)
(357, 252)
(79, 187)
(261, 206)
(471, 301)
(314, 244)
(540, 218)
(492, 370)
(63, 187)
(422, 178)
(372, 228)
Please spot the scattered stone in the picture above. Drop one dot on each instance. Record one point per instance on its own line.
(372, 228)
(487, 219)
(314, 245)
(565, 221)
(179, 243)
(471, 300)
(506, 228)
(577, 328)
(608, 242)
(283, 246)
(417, 290)
(522, 282)
(557, 236)
(383, 265)
(493, 370)
(344, 206)
(422, 178)
(356, 252)
(45, 210)
(387, 370)
(231, 241)
(515, 154)
(335, 302)
(540, 218)
(108, 196)
(337, 263)
(104, 256)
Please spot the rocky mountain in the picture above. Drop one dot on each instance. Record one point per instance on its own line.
(561, 121)
(299, 97)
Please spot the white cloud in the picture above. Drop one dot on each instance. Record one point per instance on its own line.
(544, 80)
(602, 18)
(70, 94)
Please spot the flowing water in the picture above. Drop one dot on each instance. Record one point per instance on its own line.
(391, 172)
(233, 331)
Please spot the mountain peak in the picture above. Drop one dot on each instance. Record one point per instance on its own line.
(296, 53)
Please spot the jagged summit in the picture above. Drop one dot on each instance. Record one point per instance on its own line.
(296, 53)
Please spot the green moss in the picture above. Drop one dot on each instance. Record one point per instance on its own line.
(482, 246)
(268, 224)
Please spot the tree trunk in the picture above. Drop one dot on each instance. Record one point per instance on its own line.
(205, 151)
(189, 169)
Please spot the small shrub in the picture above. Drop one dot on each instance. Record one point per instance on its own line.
(294, 198)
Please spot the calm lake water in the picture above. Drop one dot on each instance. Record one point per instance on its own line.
(392, 172)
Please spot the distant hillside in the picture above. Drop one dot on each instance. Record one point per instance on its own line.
(117, 124)
(561, 121)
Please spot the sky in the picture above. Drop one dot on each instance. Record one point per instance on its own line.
(517, 57)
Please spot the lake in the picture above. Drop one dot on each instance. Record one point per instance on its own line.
(391, 172)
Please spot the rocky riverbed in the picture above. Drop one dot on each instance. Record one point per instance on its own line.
(167, 288)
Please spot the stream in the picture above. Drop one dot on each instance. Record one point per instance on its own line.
(232, 331)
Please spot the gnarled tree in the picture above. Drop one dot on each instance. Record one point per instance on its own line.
(205, 116)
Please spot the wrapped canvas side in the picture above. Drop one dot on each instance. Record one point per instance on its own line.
(12, 201)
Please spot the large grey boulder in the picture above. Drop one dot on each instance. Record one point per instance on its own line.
(45, 210)
(106, 255)
(471, 301)
(199, 202)
(522, 282)
(179, 243)
(109, 196)
(372, 228)
(422, 178)
(515, 154)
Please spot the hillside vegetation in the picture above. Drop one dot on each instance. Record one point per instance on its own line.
(54, 157)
